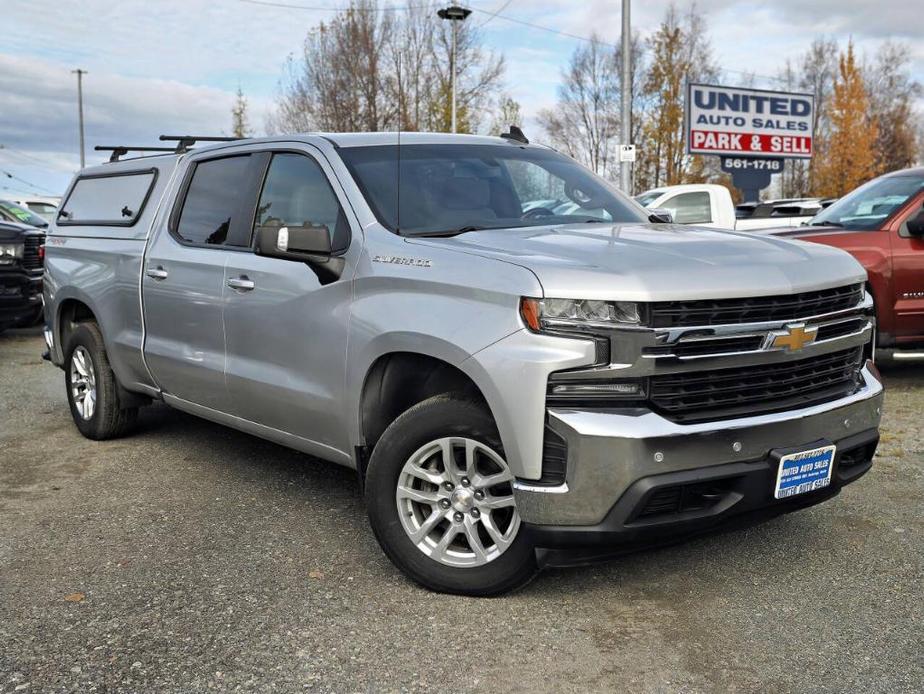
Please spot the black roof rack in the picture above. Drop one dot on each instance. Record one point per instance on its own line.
(121, 150)
(184, 142)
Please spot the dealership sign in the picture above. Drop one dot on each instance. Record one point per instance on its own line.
(749, 122)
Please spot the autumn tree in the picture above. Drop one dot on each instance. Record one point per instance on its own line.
(813, 73)
(679, 53)
(892, 95)
(585, 121)
(478, 77)
(850, 152)
(240, 122)
(507, 113)
(339, 82)
(370, 69)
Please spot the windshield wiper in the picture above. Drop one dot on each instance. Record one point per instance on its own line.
(452, 232)
(826, 224)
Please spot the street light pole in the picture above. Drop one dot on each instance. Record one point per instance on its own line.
(80, 73)
(625, 167)
(454, 14)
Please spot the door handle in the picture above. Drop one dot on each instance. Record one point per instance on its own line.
(242, 283)
(157, 273)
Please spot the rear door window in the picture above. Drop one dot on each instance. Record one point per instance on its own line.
(217, 203)
(108, 200)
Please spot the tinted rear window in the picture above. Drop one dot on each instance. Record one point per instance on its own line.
(117, 200)
(212, 211)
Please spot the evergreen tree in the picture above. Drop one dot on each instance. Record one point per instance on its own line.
(240, 123)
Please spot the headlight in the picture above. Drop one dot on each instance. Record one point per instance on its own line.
(9, 252)
(549, 314)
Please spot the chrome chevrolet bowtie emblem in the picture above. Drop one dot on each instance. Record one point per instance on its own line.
(793, 338)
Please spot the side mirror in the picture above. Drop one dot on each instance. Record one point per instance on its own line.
(915, 225)
(311, 245)
(305, 244)
(659, 215)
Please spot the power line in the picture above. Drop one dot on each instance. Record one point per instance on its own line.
(498, 10)
(492, 14)
(24, 155)
(31, 185)
(314, 8)
(540, 27)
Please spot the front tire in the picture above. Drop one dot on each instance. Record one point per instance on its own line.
(92, 390)
(440, 500)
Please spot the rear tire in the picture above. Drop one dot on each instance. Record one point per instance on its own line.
(466, 539)
(92, 389)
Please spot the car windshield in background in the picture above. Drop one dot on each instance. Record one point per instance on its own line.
(447, 189)
(14, 213)
(868, 206)
(645, 199)
(44, 209)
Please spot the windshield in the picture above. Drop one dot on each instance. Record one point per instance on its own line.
(446, 189)
(645, 199)
(868, 206)
(43, 209)
(15, 213)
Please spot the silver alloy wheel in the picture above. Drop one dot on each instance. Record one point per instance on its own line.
(455, 501)
(83, 382)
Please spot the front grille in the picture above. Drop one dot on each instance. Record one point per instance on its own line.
(849, 327)
(31, 260)
(674, 314)
(707, 347)
(684, 498)
(745, 391)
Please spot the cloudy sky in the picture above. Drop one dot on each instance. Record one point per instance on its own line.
(158, 66)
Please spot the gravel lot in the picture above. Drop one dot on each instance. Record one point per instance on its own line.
(191, 557)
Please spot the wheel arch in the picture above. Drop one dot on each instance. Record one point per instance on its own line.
(71, 311)
(397, 380)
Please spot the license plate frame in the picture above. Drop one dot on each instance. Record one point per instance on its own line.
(794, 478)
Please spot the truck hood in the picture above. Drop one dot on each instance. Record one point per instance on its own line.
(646, 262)
(13, 231)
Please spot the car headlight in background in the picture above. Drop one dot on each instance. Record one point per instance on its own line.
(562, 314)
(10, 252)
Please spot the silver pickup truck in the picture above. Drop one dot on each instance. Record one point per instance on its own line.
(516, 387)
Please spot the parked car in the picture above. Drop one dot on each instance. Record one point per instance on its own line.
(21, 253)
(44, 207)
(11, 212)
(711, 205)
(881, 224)
(514, 389)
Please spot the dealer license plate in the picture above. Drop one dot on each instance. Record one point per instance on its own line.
(804, 472)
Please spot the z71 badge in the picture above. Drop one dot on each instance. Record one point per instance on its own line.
(398, 260)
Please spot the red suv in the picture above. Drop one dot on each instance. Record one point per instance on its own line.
(881, 224)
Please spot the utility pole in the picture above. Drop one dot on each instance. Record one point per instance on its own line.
(80, 73)
(625, 166)
(454, 14)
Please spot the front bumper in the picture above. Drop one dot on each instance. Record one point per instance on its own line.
(617, 459)
(20, 297)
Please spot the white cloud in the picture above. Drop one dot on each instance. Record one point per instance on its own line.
(38, 114)
(162, 65)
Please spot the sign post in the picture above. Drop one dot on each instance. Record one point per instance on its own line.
(751, 129)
